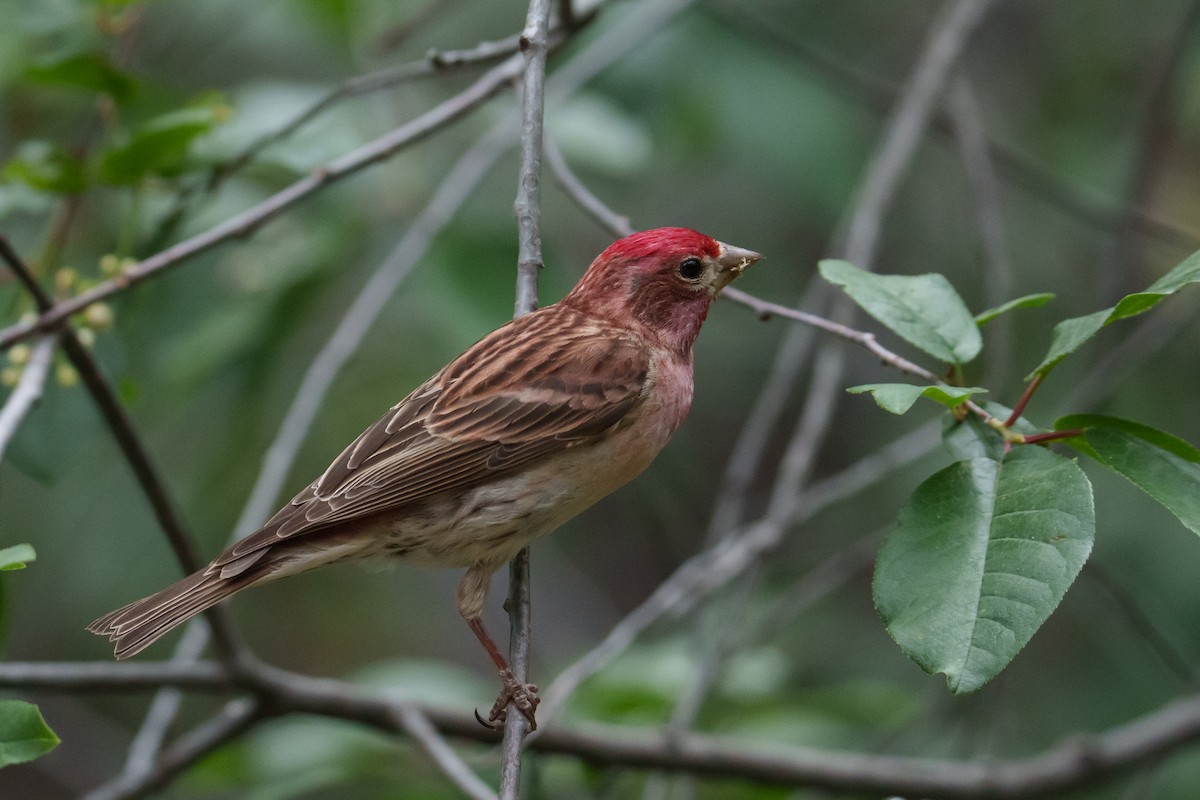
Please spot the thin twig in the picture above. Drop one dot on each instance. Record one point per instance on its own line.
(251, 219)
(528, 207)
(709, 570)
(907, 124)
(131, 446)
(1019, 168)
(418, 726)
(616, 224)
(235, 718)
(360, 316)
(436, 62)
(712, 568)
(28, 390)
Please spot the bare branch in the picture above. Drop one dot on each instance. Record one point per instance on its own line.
(235, 719)
(616, 224)
(528, 203)
(87, 676)
(418, 726)
(436, 62)
(907, 124)
(1019, 168)
(131, 446)
(528, 209)
(1072, 763)
(28, 390)
(254, 217)
(766, 309)
(711, 569)
(458, 185)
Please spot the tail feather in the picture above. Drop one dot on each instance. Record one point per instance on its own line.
(138, 625)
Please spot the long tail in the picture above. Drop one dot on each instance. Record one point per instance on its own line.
(138, 625)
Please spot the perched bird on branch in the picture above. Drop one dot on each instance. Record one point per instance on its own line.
(531, 425)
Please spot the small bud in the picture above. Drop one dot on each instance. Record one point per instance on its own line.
(110, 265)
(86, 336)
(127, 265)
(66, 374)
(64, 279)
(28, 318)
(10, 375)
(99, 316)
(19, 354)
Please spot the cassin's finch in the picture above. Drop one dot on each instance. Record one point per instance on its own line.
(531, 425)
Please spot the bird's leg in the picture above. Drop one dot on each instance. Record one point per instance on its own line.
(512, 691)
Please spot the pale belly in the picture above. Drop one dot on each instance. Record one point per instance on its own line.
(490, 523)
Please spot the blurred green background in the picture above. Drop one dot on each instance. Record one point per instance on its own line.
(752, 122)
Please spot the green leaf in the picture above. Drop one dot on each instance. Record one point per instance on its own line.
(922, 309)
(46, 167)
(1028, 301)
(1071, 333)
(16, 557)
(160, 147)
(982, 554)
(90, 71)
(971, 438)
(900, 397)
(24, 735)
(1163, 466)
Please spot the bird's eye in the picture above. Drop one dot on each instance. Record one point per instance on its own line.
(690, 269)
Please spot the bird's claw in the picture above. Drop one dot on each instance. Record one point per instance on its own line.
(515, 693)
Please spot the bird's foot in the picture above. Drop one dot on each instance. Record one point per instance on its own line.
(515, 693)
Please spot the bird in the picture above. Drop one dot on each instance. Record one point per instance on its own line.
(531, 425)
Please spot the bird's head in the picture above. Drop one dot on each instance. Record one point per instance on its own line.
(661, 282)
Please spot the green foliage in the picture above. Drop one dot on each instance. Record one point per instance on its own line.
(922, 309)
(1070, 334)
(16, 556)
(982, 554)
(898, 398)
(159, 147)
(91, 72)
(24, 735)
(1163, 466)
(985, 549)
(1027, 301)
(46, 167)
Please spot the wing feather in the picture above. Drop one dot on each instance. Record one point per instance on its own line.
(544, 382)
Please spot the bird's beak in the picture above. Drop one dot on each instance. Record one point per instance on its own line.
(733, 261)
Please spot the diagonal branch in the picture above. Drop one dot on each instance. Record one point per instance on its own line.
(414, 722)
(234, 719)
(27, 392)
(360, 316)
(254, 217)
(130, 444)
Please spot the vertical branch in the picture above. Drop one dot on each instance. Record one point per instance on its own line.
(528, 203)
(353, 327)
(529, 261)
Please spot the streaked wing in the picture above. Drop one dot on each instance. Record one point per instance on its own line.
(545, 382)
